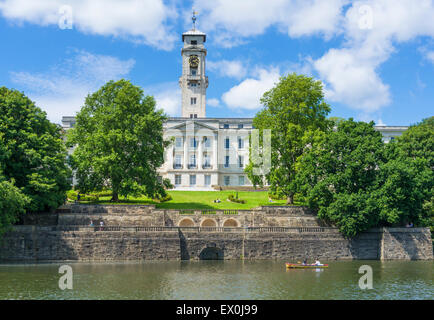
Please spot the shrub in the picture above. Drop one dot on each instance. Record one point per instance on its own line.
(233, 198)
(72, 195)
(167, 197)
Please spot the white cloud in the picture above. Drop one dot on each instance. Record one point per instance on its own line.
(250, 18)
(351, 72)
(226, 68)
(248, 93)
(213, 102)
(140, 21)
(430, 56)
(168, 97)
(352, 81)
(61, 90)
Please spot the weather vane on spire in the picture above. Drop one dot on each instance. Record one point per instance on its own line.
(194, 19)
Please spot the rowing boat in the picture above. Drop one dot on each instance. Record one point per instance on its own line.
(307, 266)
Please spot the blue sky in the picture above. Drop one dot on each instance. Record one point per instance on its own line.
(375, 58)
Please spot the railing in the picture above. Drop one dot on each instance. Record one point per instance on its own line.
(195, 229)
(177, 166)
(231, 212)
(208, 211)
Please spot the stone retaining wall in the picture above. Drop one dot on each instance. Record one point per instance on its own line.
(30, 243)
(150, 216)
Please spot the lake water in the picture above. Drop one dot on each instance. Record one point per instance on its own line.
(217, 280)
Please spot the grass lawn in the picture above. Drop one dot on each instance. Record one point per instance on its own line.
(204, 200)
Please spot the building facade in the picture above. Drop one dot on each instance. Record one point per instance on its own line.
(208, 153)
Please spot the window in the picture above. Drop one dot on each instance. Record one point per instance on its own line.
(207, 161)
(207, 180)
(191, 116)
(178, 142)
(226, 161)
(240, 126)
(227, 143)
(193, 143)
(241, 180)
(195, 116)
(241, 161)
(207, 142)
(193, 84)
(192, 160)
(193, 101)
(240, 143)
(226, 126)
(227, 180)
(177, 180)
(160, 179)
(178, 164)
(193, 72)
(192, 180)
(194, 42)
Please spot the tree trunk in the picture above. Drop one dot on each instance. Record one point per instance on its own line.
(290, 199)
(115, 197)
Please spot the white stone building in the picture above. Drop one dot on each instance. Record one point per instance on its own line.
(207, 153)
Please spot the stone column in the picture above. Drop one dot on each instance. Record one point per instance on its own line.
(215, 152)
(200, 151)
(185, 164)
(170, 157)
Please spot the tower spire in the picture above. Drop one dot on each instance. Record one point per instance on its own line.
(193, 18)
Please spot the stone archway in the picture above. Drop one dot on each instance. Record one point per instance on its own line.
(186, 222)
(208, 223)
(211, 253)
(231, 222)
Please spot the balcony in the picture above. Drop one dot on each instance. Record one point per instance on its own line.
(192, 166)
(194, 77)
(207, 166)
(177, 166)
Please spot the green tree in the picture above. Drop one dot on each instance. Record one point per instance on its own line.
(294, 110)
(12, 203)
(33, 153)
(119, 142)
(406, 186)
(339, 173)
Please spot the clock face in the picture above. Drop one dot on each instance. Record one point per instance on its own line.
(194, 61)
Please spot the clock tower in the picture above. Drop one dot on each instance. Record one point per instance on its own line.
(193, 81)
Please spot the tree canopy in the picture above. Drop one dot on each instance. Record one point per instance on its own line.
(294, 109)
(119, 143)
(12, 203)
(357, 182)
(33, 153)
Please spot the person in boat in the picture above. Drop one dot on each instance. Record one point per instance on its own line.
(317, 263)
(304, 262)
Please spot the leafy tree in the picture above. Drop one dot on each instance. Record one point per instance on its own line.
(33, 153)
(339, 172)
(294, 109)
(406, 187)
(417, 142)
(12, 203)
(119, 142)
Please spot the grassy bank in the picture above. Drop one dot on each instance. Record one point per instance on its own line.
(202, 200)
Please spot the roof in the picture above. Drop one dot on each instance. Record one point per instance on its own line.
(194, 32)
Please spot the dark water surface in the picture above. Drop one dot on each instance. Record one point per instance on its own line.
(217, 280)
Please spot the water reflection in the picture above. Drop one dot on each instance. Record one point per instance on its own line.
(218, 280)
